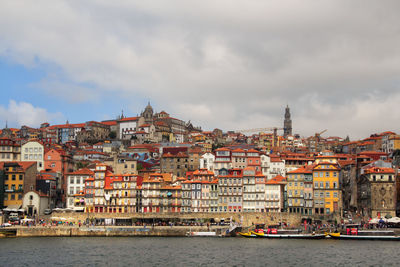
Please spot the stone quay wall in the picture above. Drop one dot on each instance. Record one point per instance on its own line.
(246, 218)
(108, 231)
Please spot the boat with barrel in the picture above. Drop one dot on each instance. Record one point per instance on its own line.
(286, 234)
(364, 237)
(358, 234)
(274, 233)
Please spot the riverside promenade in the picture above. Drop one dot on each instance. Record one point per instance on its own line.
(89, 231)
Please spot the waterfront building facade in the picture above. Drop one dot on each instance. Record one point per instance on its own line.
(327, 193)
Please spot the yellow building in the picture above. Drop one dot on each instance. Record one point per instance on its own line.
(295, 190)
(19, 178)
(327, 195)
(394, 143)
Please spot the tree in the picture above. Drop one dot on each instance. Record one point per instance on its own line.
(112, 135)
(139, 166)
(81, 165)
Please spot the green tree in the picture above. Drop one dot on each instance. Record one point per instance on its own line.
(139, 166)
(112, 135)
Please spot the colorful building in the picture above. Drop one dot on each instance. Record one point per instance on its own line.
(19, 178)
(326, 188)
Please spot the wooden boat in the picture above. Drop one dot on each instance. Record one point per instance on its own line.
(249, 234)
(258, 233)
(364, 237)
(295, 236)
(261, 234)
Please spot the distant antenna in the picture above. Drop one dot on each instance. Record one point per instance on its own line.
(6, 124)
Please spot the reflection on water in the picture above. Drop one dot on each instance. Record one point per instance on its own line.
(152, 251)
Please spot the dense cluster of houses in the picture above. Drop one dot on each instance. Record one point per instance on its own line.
(156, 163)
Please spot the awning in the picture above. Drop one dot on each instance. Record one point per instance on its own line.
(13, 208)
(79, 208)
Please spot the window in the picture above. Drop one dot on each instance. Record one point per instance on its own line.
(19, 196)
(327, 185)
(13, 177)
(321, 184)
(316, 184)
(21, 177)
(72, 180)
(12, 197)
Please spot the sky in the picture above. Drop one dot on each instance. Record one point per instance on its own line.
(222, 64)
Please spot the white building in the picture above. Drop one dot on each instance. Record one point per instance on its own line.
(249, 190)
(222, 159)
(33, 151)
(128, 127)
(274, 194)
(76, 186)
(207, 161)
(272, 166)
(35, 203)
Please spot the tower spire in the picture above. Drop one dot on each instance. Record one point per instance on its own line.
(287, 123)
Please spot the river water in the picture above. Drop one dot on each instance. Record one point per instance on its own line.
(155, 251)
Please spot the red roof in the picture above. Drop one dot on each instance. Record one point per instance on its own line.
(302, 169)
(109, 123)
(24, 164)
(83, 171)
(379, 170)
(130, 119)
(277, 180)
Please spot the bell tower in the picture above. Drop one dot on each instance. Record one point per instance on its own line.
(287, 123)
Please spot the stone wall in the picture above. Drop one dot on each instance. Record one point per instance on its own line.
(248, 218)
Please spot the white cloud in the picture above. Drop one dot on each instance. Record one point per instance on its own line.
(221, 64)
(23, 113)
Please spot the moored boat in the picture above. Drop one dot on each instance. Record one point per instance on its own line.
(249, 234)
(296, 236)
(365, 237)
(261, 234)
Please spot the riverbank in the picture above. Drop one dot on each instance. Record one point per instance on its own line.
(107, 231)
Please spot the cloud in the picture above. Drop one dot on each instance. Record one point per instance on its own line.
(70, 92)
(23, 113)
(221, 64)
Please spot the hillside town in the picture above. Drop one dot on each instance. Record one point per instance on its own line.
(156, 163)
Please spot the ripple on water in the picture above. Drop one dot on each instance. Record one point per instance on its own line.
(194, 252)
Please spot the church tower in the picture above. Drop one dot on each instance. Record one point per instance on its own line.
(287, 123)
(148, 114)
